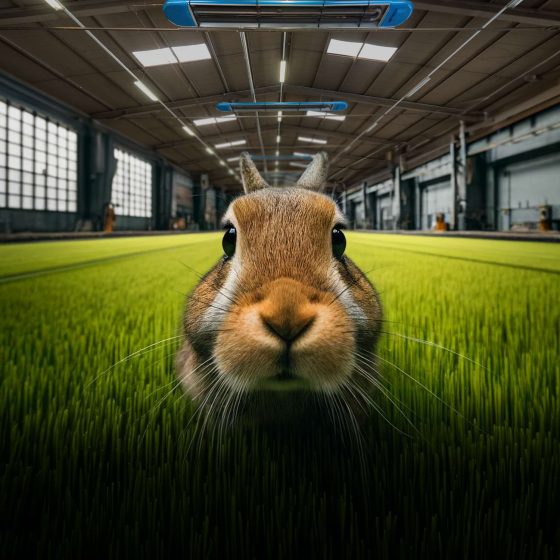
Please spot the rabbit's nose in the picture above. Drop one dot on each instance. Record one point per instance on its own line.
(288, 330)
(286, 309)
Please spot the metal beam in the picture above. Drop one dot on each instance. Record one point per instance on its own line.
(43, 13)
(381, 101)
(525, 16)
(180, 104)
(373, 140)
(295, 90)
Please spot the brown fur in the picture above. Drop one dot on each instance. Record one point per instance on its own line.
(283, 304)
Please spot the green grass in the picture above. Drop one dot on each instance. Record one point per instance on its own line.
(98, 466)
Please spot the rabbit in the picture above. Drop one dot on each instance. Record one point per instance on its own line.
(285, 309)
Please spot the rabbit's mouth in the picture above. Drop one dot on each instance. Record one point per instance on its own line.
(286, 380)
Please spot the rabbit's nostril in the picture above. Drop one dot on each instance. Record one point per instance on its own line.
(288, 330)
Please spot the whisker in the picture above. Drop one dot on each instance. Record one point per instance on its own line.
(134, 354)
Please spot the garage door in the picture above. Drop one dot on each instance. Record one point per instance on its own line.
(524, 186)
(436, 198)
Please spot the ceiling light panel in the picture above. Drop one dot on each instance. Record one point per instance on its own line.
(173, 55)
(376, 52)
(365, 51)
(214, 120)
(344, 48)
(192, 53)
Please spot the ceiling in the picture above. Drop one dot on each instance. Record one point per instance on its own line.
(510, 67)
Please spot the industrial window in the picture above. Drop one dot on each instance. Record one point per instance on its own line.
(38, 162)
(132, 186)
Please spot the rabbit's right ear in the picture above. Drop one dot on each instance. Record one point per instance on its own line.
(250, 176)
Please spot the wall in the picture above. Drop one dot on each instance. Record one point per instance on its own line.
(96, 169)
(503, 183)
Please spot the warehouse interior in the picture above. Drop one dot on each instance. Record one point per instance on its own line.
(453, 124)
(368, 373)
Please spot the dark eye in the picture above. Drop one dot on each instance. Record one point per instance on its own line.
(228, 242)
(338, 243)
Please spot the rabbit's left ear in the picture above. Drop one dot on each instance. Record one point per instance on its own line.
(250, 176)
(315, 176)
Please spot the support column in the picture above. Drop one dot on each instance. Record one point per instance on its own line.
(364, 202)
(462, 179)
(454, 195)
(397, 193)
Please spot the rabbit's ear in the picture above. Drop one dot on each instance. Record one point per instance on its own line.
(315, 176)
(250, 176)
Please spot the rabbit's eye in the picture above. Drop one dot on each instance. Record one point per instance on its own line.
(338, 243)
(228, 241)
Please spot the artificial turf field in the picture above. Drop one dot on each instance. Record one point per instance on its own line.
(102, 466)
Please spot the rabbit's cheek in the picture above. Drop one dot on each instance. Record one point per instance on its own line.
(324, 357)
(245, 352)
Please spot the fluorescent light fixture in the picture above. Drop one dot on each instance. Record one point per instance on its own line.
(145, 90)
(330, 116)
(230, 144)
(278, 138)
(222, 163)
(295, 164)
(277, 153)
(279, 116)
(302, 155)
(192, 53)
(214, 120)
(282, 71)
(55, 4)
(418, 86)
(173, 55)
(377, 52)
(210, 151)
(188, 130)
(312, 140)
(365, 51)
(236, 158)
(230, 172)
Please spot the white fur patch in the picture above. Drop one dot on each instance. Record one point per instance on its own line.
(346, 298)
(219, 307)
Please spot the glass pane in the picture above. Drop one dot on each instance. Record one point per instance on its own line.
(2, 201)
(51, 204)
(14, 201)
(39, 192)
(28, 203)
(14, 176)
(39, 204)
(27, 190)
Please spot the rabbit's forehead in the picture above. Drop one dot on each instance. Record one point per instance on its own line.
(273, 208)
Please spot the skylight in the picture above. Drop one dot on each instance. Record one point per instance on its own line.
(312, 140)
(214, 120)
(173, 55)
(330, 116)
(230, 144)
(377, 52)
(365, 51)
(345, 48)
